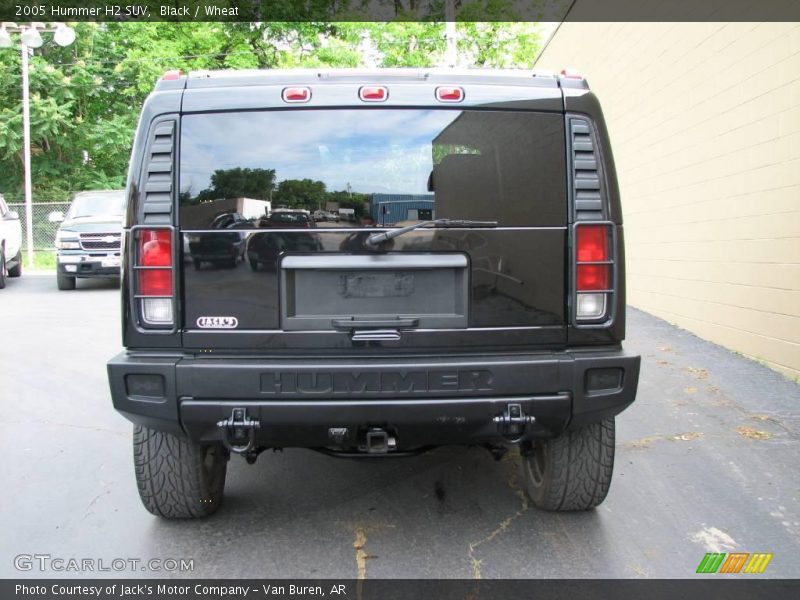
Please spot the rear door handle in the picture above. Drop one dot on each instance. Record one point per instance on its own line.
(374, 324)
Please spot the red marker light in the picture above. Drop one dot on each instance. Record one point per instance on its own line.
(571, 74)
(449, 94)
(373, 93)
(172, 75)
(296, 94)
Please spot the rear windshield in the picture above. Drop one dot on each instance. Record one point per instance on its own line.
(384, 167)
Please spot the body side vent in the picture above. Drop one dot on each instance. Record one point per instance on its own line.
(586, 174)
(158, 173)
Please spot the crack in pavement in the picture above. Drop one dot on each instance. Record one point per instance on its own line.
(513, 483)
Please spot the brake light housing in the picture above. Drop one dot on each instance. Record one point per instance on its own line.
(296, 95)
(154, 276)
(449, 94)
(373, 93)
(594, 271)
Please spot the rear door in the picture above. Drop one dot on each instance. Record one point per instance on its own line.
(290, 284)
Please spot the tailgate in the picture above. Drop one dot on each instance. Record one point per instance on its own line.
(259, 272)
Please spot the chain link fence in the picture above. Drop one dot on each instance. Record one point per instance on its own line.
(44, 232)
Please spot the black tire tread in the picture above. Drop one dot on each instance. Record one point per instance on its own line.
(17, 270)
(2, 268)
(65, 282)
(169, 475)
(579, 466)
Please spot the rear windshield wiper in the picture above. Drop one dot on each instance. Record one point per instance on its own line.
(376, 239)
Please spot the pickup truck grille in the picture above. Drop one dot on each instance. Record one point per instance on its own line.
(100, 241)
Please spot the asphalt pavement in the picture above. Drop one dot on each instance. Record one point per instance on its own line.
(707, 461)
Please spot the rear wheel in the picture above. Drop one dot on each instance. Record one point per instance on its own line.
(572, 471)
(254, 264)
(177, 478)
(2, 268)
(65, 282)
(16, 271)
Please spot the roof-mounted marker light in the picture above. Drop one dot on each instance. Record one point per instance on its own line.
(173, 75)
(449, 94)
(373, 93)
(571, 74)
(296, 94)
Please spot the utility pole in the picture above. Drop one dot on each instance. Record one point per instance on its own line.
(26, 135)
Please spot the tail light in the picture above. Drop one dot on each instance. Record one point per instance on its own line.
(593, 272)
(155, 276)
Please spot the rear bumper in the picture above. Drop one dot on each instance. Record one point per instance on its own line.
(422, 400)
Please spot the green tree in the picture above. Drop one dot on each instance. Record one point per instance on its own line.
(300, 193)
(240, 183)
(85, 98)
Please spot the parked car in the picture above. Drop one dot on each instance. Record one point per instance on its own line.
(287, 218)
(497, 323)
(89, 238)
(324, 215)
(10, 243)
(266, 249)
(217, 249)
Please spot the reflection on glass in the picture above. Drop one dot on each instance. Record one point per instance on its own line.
(371, 167)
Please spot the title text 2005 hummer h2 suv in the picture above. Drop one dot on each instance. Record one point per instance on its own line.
(483, 301)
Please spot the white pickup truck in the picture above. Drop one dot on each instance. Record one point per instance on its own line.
(10, 243)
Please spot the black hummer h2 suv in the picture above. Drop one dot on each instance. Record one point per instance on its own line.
(480, 302)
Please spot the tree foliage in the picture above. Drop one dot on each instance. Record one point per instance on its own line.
(239, 183)
(85, 98)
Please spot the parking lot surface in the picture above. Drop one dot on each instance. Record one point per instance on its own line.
(707, 460)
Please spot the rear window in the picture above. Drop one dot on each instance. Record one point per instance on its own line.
(376, 166)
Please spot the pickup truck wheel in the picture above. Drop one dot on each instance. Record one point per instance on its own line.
(177, 478)
(572, 471)
(65, 282)
(16, 271)
(2, 268)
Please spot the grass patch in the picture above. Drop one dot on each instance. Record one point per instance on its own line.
(43, 260)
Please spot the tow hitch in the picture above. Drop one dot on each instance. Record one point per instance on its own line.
(512, 422)
(379, 441)
(239, 431)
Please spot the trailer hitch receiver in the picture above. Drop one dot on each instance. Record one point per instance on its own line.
(239, 431)
(512, 422)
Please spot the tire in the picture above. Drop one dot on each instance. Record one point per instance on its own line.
(570, 472)
(65, 282)
(178, 479)
(197, 263)
(254, 264)
(2, 268)
(16, 271)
